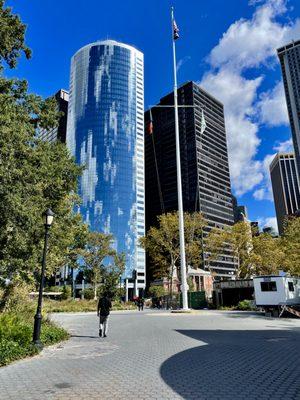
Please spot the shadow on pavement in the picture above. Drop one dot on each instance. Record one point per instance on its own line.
(255, 364)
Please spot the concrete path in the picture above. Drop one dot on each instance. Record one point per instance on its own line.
(158, 355)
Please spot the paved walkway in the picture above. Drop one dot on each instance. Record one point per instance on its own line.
(158, 355)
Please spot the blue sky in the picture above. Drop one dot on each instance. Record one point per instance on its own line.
(229, 47)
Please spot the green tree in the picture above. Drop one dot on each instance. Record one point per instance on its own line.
(257, 255)
(12, 37)
(162, 243)
(237, 240)
(266, 256)
(156, 291)
(112, 273)
(33, 175)
(97, 248)
(290, 245)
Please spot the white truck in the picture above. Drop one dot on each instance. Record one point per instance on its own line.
(276, 293)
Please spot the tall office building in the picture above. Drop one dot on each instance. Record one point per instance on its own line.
(285, 184)
(59, 132)
(204, 163)
(106, 134)
(240, 213)
(289, 57)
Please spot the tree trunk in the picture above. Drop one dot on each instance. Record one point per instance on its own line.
(95, 291)
(239, 266)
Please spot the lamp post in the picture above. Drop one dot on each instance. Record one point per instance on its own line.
(49, 215)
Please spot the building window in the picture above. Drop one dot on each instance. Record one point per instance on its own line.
(268, 286)
(291, 287)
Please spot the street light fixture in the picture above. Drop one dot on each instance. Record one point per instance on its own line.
(48, 215)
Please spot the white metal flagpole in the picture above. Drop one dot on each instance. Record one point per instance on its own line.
(184, 287)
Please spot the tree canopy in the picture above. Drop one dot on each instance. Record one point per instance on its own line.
(260, 253)
(34, 175)
(12, 37)
(162, 243)
(233, 240)
(101, 262)
(290, 243)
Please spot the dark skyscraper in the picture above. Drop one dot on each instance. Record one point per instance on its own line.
(285, 183)
(58, 133)
(204, 162)
(239, 212)
(289, 57)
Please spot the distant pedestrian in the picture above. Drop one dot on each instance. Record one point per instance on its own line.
(159, 304)
(141, 304)
(104, 306)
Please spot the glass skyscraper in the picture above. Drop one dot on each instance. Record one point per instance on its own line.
(105, 133)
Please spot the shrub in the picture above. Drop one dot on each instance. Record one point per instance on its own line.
(88, 294)
(156, 291)
(66, 292)
(245, 305)
(129, 305)
(82, 305)
(16, 299)
(54, 289)
(11, 351)
(70, 305)
(16, 329)
(52, 333)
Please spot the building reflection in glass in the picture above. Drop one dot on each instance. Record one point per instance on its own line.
(106, 134)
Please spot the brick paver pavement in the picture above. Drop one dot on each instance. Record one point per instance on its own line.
(158, 355)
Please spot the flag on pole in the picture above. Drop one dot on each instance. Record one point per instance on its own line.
(175, 30)
(203, 123)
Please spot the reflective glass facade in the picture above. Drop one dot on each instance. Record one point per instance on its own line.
(105, 133)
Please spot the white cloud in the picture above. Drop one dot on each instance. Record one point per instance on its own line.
(269, 222)
(264, 191)
(181, 62)
(272, 222)
(249, 44)
(284, 147)
(238, 94)
(272, 107)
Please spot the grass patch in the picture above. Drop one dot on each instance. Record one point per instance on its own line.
(71, 305)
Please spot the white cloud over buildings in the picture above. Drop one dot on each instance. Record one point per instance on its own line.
(249, 45)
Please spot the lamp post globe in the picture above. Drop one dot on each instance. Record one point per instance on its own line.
(49, 215)
(48, 218)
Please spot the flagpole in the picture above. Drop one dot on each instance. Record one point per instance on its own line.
(184, 287)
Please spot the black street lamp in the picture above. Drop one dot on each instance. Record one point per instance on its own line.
(49, 215)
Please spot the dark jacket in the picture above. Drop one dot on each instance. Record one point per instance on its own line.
(104, 306)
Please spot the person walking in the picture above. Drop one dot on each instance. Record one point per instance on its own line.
(103, 310)
(141, 304)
